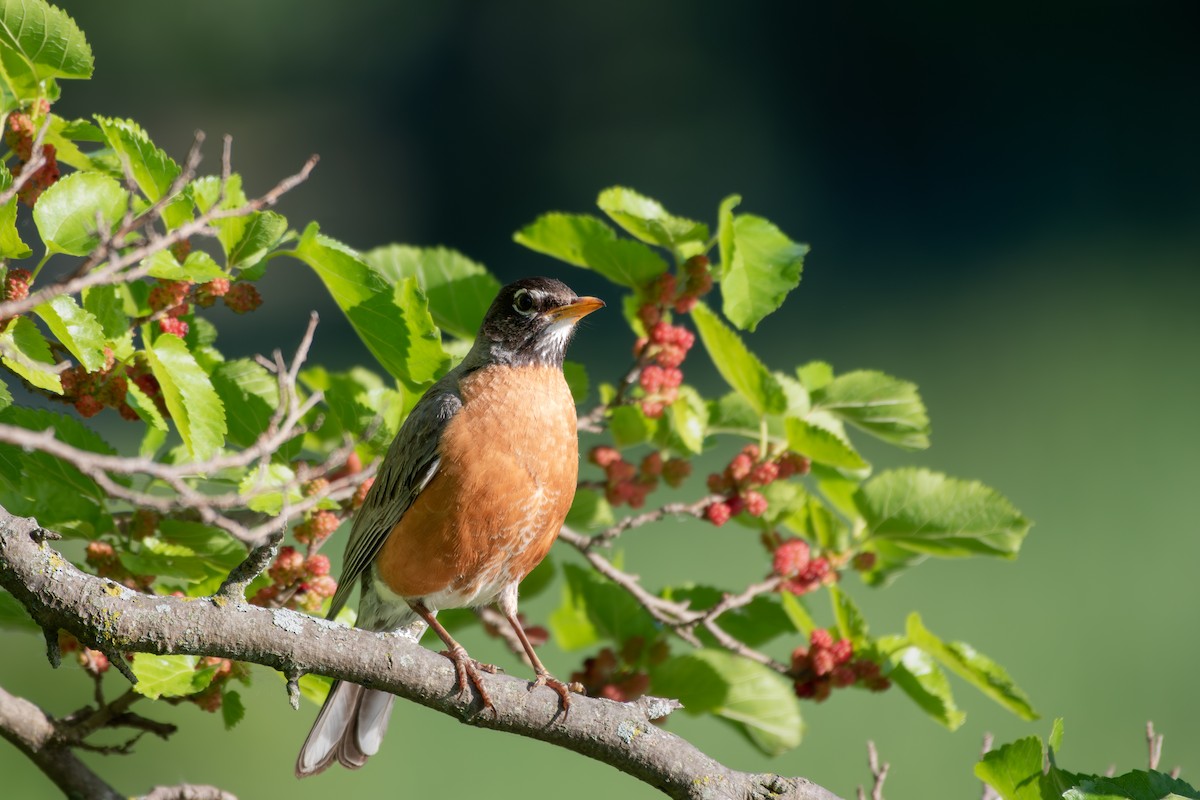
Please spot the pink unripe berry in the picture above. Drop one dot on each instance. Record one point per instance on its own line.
(317, 565)
(718, 513)
(756, 504)
(790, 557)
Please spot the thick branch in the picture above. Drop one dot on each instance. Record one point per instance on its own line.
(33, 733)
(109, 617)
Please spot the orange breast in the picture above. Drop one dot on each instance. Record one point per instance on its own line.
(509, 465)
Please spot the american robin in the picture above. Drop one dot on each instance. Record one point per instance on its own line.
(468, 500)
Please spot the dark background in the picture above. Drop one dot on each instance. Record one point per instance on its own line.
(1004, 205)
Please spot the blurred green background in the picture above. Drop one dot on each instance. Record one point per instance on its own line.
(1004, 206)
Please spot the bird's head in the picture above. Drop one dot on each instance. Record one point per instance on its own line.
(531, 321)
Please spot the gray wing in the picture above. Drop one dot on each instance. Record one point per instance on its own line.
(410, 463)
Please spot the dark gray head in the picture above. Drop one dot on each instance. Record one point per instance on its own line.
(531, 321)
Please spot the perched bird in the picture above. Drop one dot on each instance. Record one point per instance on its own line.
(468, 500)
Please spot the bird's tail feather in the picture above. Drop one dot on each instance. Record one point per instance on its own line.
(348, 729)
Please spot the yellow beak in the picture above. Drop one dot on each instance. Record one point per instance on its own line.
(577, 310)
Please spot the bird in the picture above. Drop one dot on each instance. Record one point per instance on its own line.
(470, 496)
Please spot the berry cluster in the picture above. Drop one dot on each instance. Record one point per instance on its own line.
(745, 474)
(170, 300)
(297, 582)
(19, 135)
(663, 350)
(801, 574)
(625, 483)
(92, 392)
(619, 678)
(666, 348)
(316, 528)
(16, 287)
(103, 558)
(827, 664)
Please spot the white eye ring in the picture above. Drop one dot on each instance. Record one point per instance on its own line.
(523, 302)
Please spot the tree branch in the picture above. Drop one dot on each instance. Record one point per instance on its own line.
(108, 617)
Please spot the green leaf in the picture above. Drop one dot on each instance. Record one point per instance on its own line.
(646, 219)
(629, 426)
(765, 266)
(393, 321)
(261, 234)
(66, 213)
(145, 408)
(170, 676)
(595, 609)
(27, 353)
(821, 445)
(250, 395)
(915, 672)
(577, 380)
(689, 419)
(758, 622)
(106, 304)
(11, 245)
(725, 228)
(232, 709)
(797, 614)
(1015, 770)
(6, 398)
(258, 481)
(757, 700)
(198, 267)
(152, 169)
(850, 622)
(589, 512)
(586, 241)
(814, 375)
(459, 290)
(1135, 785)
(13, 616)
(38, 43)
(881, 405)
(740, 368)
(76, 328)
(207, 191)
(973, 667)
(190, 397)
(927, 512)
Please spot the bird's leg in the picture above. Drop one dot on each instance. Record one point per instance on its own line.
(465, 667)
(508, 607)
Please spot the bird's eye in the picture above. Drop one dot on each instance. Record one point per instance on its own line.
(523, 302)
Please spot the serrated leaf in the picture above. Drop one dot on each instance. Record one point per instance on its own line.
(973, 667)
(757, 700)
(76, 328)
(410, 351)
(261, 234)
(725, 228)
(740, 368)
(152, 169)
(198, 267)
(821, 445)
(170, 676)
(630, 426)
(11, 245)
(232, 709)
(879, 404)
(915, 672)
(39, 43)
(1015, 770)
(688, 416)
(250, 395)
(585, 241)
(258, 481)
(107, 305)
(850, 622)
(27, 353)
(208, 192)
(1135, 785)
(459, 289)
(647, 220)
(929, 513)
(194, 404)
(144, 407)
(66, 214)
(594, 609)
(764, 268)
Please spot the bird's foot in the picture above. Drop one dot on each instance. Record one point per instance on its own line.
(563, 690)
(468, 670)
